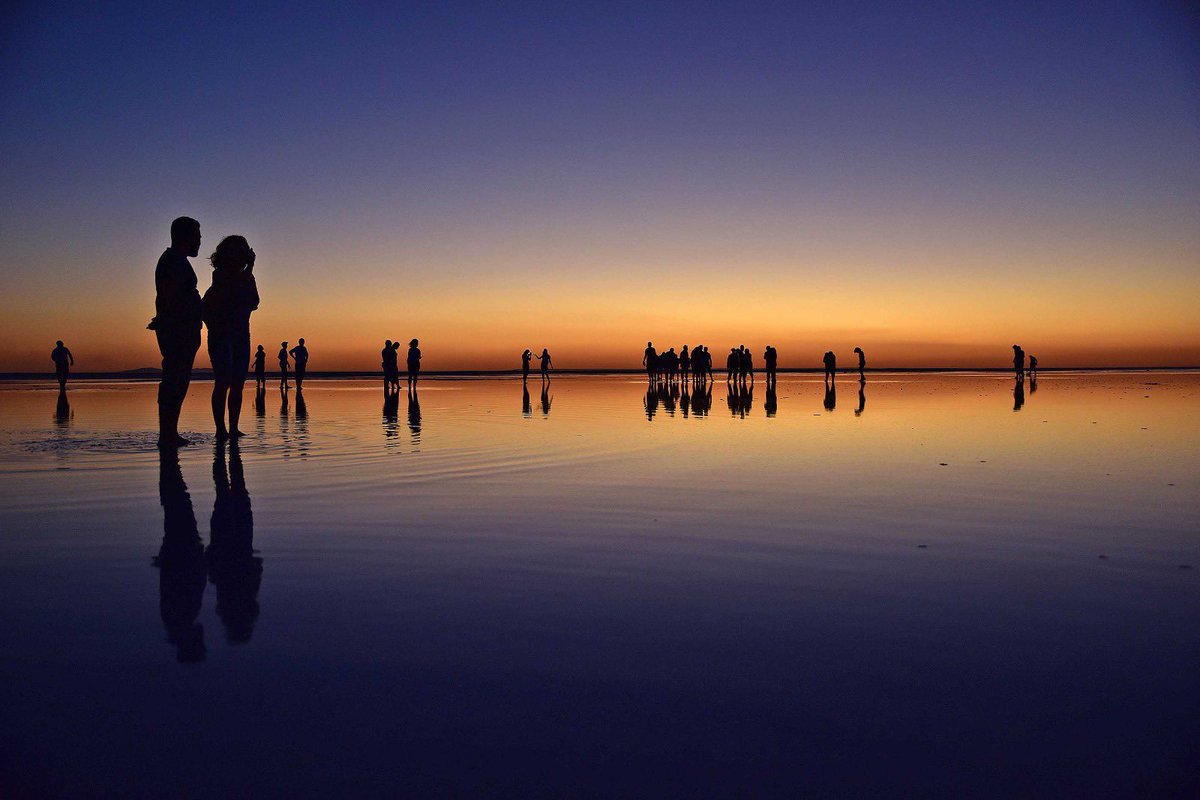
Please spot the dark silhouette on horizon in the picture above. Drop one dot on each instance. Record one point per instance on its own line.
(299, 355)
(63, 361)
(176, 325)
(692, 364)
(526, 360)
(282, 357)
(260, 368)
(390, 358)
(1018, 362)
(650, 362)
(830, 361)
(227, 306)
(182, 569)
(414, 364)
(862, 365)
(233, 569)
(1032, 367)
(771, 362)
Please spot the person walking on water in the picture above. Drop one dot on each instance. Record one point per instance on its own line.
(63, 361)
(260, 368)
(228, 304)
(176, 325)
(862, 365)
(830, 365)
(546, 364)
(526, 360)
(300, 357)
(414, 364)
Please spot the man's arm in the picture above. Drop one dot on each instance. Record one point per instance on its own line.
(70, 356)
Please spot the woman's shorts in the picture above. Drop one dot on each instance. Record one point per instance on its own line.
(230, 356)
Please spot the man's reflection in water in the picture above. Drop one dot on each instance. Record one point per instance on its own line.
(414, 416)
(702, 400)
(62, 410)
(651, 402)
(526, 403)
(771, 404)
(740, 399)
(685, 399)
(233, 569)
(180, 562)
(1019, 393)
(391, 417)
(862, 398)
(830, 395)
(260, 401)
(1032, 382)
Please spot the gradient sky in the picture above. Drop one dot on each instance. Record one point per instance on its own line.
(931, 181)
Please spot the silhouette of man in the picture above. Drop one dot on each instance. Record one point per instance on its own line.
(526, 359)
(862, 365)
(283, 365)
(176, 325)
(830, 364)
(1032, 367)
(1018, 361)
(650, 361)
(414, 363)
(300, 357)
(770, 359)
(63, 361)
(732, 364)
(391, 370)
(260, 368)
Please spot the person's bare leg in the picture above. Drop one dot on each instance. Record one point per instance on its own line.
(235, 408)
(219, 392)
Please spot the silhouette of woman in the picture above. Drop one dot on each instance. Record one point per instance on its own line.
(260, 368)
(283, 365)
(391, 372)
(227, 305)
(414, 364)
(526, 359)
(546, 364)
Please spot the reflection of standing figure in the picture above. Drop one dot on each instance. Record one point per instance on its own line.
(180, 563)
(771, 360)
(414, 364)
(1018, 393)
(62, 409)
(233, 569)
(526, 405)
(830, 395)
(63, 361)
(771, 405)
(414, 417)
(862, 398)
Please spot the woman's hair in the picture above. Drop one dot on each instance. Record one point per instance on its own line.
(232, 253)
(413, 343)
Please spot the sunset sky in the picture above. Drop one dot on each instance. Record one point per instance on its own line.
(931, 181)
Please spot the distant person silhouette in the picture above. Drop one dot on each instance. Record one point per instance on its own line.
(300, 359)
(862, 398)
(746, 364)
(685, 363)
(1018, 361)
(228, 304)
(260, 368)
(526, 360)
(830, 395)
(283, 365)
(708, 364)
(233, 569)
(1018, 393)
(182, 570)
(389, 360)
(1032, 367)
(650, 362)
(771, 361)
(547, 364)
(63, 361)
(733, 363)
(771, 404)
(830, 364)
(414, 364)
(176, 325)
(862, 364)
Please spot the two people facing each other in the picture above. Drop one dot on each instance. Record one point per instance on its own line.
(391, 368)
(527, 358)
(299, 355)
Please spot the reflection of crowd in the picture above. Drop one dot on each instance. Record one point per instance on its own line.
(228, 563)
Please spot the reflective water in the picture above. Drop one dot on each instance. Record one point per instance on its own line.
(931, 586)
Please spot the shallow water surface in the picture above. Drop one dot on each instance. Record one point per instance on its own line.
(940, 585)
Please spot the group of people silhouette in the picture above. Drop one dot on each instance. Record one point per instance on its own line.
(668, 366)
(391, 366)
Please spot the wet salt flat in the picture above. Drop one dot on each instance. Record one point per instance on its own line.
(934, 588)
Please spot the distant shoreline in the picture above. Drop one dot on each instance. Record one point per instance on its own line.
(150, 374)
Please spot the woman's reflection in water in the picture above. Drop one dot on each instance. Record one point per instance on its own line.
(862, 398)
(414, 416)
(181, 566)
(233, 569)
(830, 395)
(526, 404)
(547, 398)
